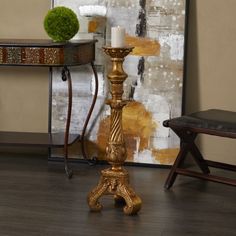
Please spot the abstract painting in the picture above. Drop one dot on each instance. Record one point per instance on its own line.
(154, 87)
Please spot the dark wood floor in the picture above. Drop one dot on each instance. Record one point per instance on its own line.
(37, 199)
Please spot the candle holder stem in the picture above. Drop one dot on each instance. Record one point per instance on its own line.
(115, 180)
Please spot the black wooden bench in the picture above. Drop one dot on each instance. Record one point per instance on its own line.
(213, 122)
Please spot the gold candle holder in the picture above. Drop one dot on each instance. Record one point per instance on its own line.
(115, 180)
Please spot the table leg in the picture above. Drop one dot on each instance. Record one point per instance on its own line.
(67, 77)
(93, 160)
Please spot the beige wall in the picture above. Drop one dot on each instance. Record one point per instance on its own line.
(211, 79)
(23, 91)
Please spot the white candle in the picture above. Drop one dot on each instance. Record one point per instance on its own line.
(117, 37)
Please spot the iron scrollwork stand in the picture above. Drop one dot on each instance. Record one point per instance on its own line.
(66, 76)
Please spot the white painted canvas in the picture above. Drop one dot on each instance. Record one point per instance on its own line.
(154, 86)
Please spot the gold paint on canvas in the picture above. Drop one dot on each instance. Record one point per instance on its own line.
(143, 46)
(102, 137)
(97, 24)
(137, 123)
(165, 156)
(92, 27)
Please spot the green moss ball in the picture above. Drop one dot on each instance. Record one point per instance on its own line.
(61, 24)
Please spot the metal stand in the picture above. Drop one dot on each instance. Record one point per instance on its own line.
(115, 180)
(65, 75)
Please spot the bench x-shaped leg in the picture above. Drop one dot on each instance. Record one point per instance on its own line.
(187, 145)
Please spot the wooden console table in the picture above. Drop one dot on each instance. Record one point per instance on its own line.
(46, 53)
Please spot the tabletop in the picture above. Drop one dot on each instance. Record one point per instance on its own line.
(44, 52)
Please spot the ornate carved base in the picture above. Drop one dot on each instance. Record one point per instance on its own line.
(115, 182)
